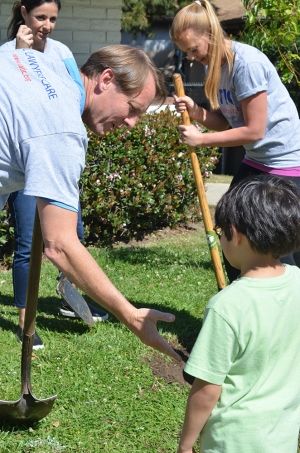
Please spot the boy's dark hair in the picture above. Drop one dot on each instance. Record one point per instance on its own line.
(266, 209)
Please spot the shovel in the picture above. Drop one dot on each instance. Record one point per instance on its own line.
(208, 224)
(29, 409)
(75, 300)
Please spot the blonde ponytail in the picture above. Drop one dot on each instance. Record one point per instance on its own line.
(201, 17)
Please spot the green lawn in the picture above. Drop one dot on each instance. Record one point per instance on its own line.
(109, 401)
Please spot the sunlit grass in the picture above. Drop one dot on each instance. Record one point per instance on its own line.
(108, 399)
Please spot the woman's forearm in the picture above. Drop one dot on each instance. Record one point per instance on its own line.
(192, 136)
(233, 137)
(211, 120)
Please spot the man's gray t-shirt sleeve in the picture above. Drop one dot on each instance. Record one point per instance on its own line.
(52, 165)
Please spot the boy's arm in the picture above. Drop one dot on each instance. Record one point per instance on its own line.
(202, 399)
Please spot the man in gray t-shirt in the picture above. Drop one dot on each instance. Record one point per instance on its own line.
(43, 139)
(42, 151)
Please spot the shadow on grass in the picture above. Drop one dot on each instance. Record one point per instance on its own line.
(155, 255)
(54, 322)
(185, 327)
(17, 427)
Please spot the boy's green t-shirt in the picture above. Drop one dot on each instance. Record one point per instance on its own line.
(250, 344)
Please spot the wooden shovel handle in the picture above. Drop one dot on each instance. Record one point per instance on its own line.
(31, 305)
(208, 224)
(34, 277)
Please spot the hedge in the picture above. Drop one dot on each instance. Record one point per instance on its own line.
(138, 181)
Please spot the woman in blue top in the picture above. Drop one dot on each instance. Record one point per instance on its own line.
(31, 24)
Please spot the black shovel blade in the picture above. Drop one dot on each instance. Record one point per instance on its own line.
(75, 300)
(26, 410)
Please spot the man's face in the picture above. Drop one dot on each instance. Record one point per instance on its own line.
(109, 108)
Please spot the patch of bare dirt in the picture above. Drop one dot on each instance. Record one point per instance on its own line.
(170, 371)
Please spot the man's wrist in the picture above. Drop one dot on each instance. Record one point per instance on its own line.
(127, 314)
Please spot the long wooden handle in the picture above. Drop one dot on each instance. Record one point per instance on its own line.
(34, 278)
(31, 305)
(208, 224)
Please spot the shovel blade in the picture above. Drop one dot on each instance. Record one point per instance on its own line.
(26, 410)
(75, 300)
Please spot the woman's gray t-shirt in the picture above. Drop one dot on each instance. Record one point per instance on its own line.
(253, 73)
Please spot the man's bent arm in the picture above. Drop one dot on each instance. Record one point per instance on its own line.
(64, 249)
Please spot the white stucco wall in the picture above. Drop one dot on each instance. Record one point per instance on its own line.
(83, 25)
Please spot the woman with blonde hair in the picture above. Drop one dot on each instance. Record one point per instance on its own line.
(250, 106)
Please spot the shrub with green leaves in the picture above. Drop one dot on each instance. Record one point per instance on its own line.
(139, 181)
(273, 26)
(140, 15)
(6, 238)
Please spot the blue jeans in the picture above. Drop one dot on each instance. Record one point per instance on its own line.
(22, 210)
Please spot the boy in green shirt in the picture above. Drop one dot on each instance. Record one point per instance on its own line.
(246, 361)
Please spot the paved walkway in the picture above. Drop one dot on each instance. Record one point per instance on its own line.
(214, 191)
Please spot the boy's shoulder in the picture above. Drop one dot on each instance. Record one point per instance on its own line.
(246, 291)
(227, 294)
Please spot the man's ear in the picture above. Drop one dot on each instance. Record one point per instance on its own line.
(105, 79)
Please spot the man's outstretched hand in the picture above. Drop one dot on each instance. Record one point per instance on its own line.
(144, 325)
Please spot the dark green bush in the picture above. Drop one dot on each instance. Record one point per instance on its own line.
(6, 238)
(139, 181)
(273, 27)
(140, 15)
